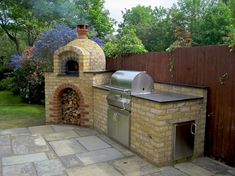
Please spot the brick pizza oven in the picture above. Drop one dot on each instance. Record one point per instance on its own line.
(78, 66)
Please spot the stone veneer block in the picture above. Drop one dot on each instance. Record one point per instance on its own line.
(100, 110)
(20, 159)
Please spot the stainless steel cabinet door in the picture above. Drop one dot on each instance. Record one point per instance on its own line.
(119, 125)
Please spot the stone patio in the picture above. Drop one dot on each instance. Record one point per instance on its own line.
(65, 150)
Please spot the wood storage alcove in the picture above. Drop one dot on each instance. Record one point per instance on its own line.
(70, 106)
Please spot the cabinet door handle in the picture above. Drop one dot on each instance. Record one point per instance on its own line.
(191, 129)
(115, 116)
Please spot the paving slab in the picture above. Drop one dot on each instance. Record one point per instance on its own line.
(5, 140)
(99, 156)
(102, 169)
(67, 147)
(122, 149)
(61, 135)
(51, 154)
(214, 166)
(93, 143)
(20, 159)
(26, 144)
(106, 139)
(85, 132)
(26, 169)
(44, 129)
(71, 161)
(134, 166)
(15, 131)
(60, 128)
(49, 168)
(192, 169)
(5, 151)
(168, 171)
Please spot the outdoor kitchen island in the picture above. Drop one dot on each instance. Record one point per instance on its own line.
(166, 125)
(161, 122)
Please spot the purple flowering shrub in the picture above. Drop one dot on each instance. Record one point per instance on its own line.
(16, 61)
(98, 41)
(50, 41)
(28, 75)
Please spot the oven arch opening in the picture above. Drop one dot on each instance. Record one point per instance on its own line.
(72, 67)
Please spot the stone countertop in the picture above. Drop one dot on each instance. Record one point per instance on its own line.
(160, 96)
(166, 97)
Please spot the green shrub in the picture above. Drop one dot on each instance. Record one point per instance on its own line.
(126, 43)
(7, 83)
(29, 82)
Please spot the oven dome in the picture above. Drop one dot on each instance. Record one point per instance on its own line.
(96, 55)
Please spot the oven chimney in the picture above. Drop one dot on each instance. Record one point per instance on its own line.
(82, 30)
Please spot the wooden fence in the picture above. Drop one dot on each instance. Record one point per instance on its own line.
(211, 66)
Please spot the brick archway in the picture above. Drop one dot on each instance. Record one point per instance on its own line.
(56, 113)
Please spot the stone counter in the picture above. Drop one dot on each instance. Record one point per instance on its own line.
(153, 117)
(152, 126)
(167, 97)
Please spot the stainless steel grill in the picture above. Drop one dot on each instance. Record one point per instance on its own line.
(123, 85)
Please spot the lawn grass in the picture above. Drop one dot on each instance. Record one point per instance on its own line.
(16, 114)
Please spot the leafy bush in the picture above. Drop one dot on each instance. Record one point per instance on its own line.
(230, 40)
(98, 41)
(29, 82)
(126, 43)
(28, 77)
(15, 61)
(7, 83)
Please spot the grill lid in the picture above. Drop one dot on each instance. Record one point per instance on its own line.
(135, 81)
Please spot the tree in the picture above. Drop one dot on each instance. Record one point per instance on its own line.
(126, 43)
(153, 26)
(216, 25)
(231, 5)
(161, 32)
(188, 16)
(93, 13)
(11, 21)
(141, 19)
(17, 21)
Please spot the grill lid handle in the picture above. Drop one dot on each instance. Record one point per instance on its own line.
(119, 89)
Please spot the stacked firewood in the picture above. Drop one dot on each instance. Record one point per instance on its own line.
(70, 107)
